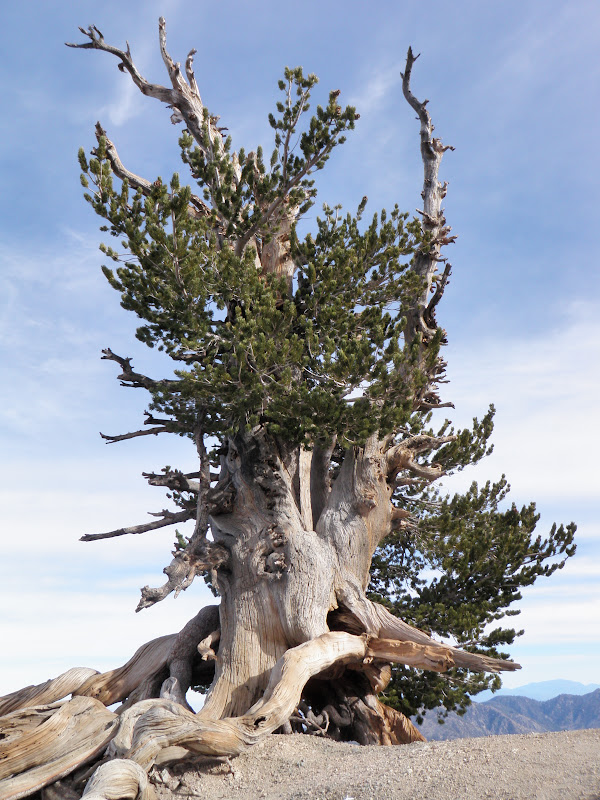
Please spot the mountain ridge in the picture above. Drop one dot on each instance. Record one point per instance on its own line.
(541, 690)
(512, 714)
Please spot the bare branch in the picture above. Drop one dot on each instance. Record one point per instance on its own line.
(402, 456)
(421, 325)
(440, 285)
(134, 379)
(126, 63)
(183, 98)
(189, 71)
(183, 569)
(174, 479)
(133, 434)
(431, 401)
(166, 518)
(421, 471)
(198, 207)
(151, 420)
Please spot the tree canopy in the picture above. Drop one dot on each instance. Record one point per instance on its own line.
(320, 349)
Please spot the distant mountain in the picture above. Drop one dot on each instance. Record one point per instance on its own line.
(544, 690)
(513, 714)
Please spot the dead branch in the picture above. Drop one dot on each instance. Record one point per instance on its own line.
(167, 518)
(133, 434)
(174, 479)
(359, 613)
(183, 98)
(402, 456)
(182, 570)
(421, 325)
(197, 208)
(440, 285)
(134, 379)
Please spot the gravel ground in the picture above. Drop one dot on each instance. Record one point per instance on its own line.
(536, 766)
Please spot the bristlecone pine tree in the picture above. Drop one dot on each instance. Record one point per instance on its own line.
(307, 373)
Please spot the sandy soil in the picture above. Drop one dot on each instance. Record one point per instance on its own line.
(547, 766)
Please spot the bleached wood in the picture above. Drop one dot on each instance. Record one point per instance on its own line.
(377, 620)
(304, 470)
(42, 744)
(119, 780)
(48, 692)
(167, 724)
(115, 685)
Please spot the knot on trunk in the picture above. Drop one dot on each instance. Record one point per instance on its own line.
(269, 556)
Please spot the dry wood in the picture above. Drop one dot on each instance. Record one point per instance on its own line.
(114, 686)
(48, 692)
(119, 780)
(42, 744)
(379, 724)
(168, 724)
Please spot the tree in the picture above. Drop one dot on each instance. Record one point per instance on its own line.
(307, 374)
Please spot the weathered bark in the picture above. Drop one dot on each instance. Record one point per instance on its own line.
(119, 780)
(42, 744)
(48, 692)
(114, 686)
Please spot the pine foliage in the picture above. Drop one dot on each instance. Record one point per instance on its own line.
(317, 357)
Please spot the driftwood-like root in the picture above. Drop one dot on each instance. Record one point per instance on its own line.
(42, 744)
(114, 686)
(49, 692)
(169, 725)
(158, 731)
(119, 780)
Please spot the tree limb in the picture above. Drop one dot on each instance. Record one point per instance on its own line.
(402, 456)
(183, 569)
(184, 98)
(168, 518)
(135, 379)
(174, 479)
(121, 437)
(198, 207)
(421, 325)
(360, 614)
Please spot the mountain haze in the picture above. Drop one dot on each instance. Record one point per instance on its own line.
(541, 690)
(512, 714)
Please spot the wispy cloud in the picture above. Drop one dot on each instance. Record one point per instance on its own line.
(376, 91)
(97, 629)
(545, 389)
(127, 104)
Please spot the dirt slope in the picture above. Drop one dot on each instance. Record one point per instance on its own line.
(548, 766)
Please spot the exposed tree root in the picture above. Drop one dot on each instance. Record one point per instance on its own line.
(114, 686)
(42, 744)
(119, 780)
(48, 692)
(49, 742)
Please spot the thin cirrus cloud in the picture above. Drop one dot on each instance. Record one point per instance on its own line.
(533, 382)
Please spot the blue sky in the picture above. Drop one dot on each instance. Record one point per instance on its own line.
(512, 85)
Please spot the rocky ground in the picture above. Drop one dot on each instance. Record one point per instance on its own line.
(548, 766)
